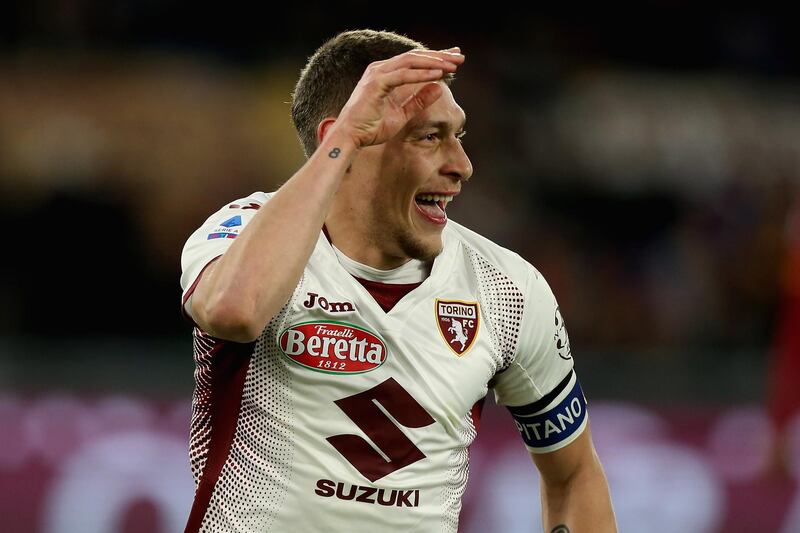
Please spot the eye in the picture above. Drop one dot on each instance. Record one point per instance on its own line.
(431, 136)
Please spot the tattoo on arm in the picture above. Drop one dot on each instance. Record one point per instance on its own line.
(333, 154)
(560, 528)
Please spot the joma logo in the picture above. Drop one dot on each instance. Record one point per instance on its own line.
(315, 300)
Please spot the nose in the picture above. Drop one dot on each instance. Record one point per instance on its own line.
(457, 165)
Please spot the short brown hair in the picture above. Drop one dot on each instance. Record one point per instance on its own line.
(332, 73)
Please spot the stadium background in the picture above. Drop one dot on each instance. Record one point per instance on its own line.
(647, 161)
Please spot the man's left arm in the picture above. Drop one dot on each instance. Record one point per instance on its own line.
(575, 495)
(542, 392)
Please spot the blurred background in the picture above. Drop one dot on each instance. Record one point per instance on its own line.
(646, 160)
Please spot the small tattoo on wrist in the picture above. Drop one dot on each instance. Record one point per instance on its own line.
(560, 528)
(333, 154)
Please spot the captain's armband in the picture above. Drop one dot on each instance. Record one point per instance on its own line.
(555, 420)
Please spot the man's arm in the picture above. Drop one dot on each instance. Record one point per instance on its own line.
(575, 496)
(241, 291)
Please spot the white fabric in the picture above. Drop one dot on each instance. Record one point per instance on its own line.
(412, 271)
(282, 450)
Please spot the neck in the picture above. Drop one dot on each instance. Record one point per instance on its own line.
(360, 247)
(350, 224)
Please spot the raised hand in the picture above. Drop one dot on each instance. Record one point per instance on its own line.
(392, 91)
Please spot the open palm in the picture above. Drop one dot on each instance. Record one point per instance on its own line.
(392, 92)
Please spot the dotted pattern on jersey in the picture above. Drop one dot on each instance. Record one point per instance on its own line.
(458, 474)
(200, 434)
(255, 478)
(502, 304)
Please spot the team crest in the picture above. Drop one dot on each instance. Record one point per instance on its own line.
(458, 323)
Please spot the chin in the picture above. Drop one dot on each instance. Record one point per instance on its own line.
(425, 249)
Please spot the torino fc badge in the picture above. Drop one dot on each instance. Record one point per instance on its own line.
(458, 323)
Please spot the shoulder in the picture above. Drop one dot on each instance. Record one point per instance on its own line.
(253, 201)
(245, 207)
(491, 260)
(224, 224)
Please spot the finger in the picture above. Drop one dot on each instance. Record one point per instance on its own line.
(421, 100)
(415, 60)
(452, 55)
(447, 51)
(423, 59)
(410, 75)
(417, 63)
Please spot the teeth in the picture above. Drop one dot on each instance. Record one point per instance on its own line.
(435, 198)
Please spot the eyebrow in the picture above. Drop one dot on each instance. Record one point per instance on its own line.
(439, 125)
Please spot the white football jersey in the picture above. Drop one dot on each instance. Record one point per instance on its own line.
(344, 417)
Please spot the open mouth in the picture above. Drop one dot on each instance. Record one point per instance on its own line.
(433, 206)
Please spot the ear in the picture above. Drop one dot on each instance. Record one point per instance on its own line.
(323, 128)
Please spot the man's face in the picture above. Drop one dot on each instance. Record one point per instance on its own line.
(413, 177)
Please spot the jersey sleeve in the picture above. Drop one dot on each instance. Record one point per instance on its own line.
(539, 387)
(212, 239)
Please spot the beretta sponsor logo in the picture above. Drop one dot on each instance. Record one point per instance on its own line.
(333, 347)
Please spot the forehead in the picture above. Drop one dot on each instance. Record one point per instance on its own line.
(445, 109)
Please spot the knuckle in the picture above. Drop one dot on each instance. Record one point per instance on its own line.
(371, 83)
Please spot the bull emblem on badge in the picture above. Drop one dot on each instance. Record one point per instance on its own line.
(460, 335)
(458, 324)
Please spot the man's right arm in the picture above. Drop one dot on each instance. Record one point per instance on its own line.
(242, 290)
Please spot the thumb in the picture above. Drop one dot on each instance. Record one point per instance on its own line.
(422, 99)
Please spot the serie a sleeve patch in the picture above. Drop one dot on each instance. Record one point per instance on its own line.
(228, 229)
(555, 420)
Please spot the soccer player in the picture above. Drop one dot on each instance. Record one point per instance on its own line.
(347, 332)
